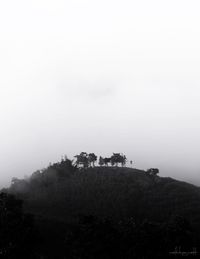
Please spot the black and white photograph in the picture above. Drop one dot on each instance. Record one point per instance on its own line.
(99, 129)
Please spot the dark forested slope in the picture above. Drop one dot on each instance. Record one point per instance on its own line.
(64, 192)
(107, 212)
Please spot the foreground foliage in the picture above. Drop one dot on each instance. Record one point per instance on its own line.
(18, 235)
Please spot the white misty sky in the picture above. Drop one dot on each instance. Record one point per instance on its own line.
(100, 76)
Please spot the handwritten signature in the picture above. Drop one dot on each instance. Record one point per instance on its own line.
(178, 251)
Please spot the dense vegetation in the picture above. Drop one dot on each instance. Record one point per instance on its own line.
(109, 212)
(18, 235)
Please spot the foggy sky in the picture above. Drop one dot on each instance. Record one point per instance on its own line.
(100, 76)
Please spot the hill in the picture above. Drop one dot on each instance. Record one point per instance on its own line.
(61, 191)
(110, 212)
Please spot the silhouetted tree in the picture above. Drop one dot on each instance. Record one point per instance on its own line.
(82, 159)
(123, 160)
(101, 161)
(153, 171)
(117, 158)
(92, 158)
(107, 160)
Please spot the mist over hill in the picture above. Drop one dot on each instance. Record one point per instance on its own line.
(79, 211)
(64, 191)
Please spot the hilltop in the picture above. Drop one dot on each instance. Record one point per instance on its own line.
(106, 212)
(64, 192)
